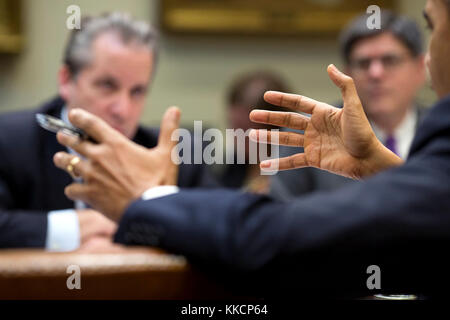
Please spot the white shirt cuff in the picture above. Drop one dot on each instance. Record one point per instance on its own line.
(63, 230)
(158, 192)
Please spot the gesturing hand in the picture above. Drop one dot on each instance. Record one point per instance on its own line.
(337, 140)
(116, 170)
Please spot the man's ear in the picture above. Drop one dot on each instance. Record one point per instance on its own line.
(65, 82)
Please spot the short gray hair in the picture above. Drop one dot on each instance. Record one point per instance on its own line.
(77, 54)
(403, 28)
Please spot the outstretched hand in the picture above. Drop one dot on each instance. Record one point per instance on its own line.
(336, 140)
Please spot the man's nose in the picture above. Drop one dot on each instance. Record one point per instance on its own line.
(122, 106)
(376, 69)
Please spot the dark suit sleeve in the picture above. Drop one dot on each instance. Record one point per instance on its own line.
(18, 228)
(399, 220)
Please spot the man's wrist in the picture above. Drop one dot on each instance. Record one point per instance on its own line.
(380, 159)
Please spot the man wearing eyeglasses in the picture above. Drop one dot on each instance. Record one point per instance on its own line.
(388, 68)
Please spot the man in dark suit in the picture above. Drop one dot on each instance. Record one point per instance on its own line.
(397, 221)
(388, 67)
(107, 69)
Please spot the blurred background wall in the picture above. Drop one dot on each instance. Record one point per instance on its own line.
(193, 72)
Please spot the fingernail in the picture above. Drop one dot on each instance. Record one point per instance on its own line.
(266, 164)
(174, 114)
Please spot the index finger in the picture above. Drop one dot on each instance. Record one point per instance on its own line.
(94, 126)
(291, 101)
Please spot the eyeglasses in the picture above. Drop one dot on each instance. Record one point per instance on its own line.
(389, 62)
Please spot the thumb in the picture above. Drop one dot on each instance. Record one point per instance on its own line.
(343, 82)
(169, 123)
(348, 89)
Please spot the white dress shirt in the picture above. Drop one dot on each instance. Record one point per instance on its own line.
(63, 230)
(63, 227)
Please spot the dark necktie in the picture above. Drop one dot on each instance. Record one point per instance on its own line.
(391, 144)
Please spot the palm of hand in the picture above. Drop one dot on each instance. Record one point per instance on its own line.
(335, 140)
